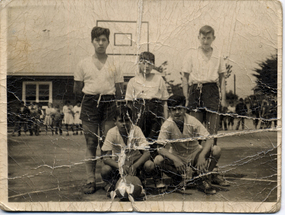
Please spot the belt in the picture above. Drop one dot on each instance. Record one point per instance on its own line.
(99, 97)
(144, 101)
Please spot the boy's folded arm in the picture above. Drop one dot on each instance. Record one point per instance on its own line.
(164, 152)
(145, 156)
(109, 161)
(207, 147)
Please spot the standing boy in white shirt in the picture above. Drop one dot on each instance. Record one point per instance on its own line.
(99, 79)
(148, 94)
(204, 81)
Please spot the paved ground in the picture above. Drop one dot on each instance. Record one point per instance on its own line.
(51, 168)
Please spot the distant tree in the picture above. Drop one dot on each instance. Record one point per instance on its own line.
(266, 82)
(171, 87)
(230, 96)
(228, 70)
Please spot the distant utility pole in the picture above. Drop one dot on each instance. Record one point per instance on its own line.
(234, 84)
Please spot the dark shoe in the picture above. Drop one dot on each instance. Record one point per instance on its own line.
(218, 180)
(89, 188)
(109, 188)
(205, 186)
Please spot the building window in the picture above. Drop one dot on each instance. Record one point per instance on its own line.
(37, 91)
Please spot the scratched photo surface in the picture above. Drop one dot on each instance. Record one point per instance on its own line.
(145, 105)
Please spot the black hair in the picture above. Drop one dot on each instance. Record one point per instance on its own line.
(147, 56)
(124, 112)
(98, 31)
(176, 100)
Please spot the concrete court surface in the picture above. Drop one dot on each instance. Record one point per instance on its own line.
(51, 168)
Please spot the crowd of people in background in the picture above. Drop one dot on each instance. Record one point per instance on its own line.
(34, 119)
(262, 113)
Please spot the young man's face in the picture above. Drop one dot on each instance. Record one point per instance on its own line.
(177, 113)
(145, 66)
(100, 44)
(124, 125)
(206, 40)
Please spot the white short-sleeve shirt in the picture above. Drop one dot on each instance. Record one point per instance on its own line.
(192, 128)
(201, 69)
(98, 81)
(150, 88)
(114, 142)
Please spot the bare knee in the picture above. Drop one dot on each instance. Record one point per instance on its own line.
(149, 166)
(106, 171)
(91, 142)
(158, 160)
(216, 151)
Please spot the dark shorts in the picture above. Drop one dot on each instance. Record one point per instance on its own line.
(92, 112)
(206, 97)
(151, 116)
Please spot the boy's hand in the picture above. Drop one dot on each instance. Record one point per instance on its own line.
(133, 170)
(201, 164)
(125, 170)
(179, 165)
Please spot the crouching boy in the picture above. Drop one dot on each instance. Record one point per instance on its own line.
(187, 153)
(124, 147)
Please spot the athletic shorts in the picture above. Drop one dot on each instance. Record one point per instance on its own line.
(98, 109)
(148, 115)
(207, 96)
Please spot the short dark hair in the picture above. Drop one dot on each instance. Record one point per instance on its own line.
(147, 56)
(124, 112)
(206, 29)
(176, 100)
(98, 31)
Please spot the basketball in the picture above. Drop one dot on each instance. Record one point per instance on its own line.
(129, 185)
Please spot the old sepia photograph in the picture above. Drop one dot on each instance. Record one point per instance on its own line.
(141, 105)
